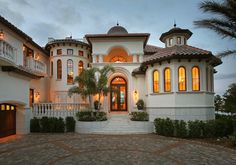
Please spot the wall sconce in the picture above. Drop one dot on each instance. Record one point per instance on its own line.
(1, 34)
(37, 95)
(135, 95)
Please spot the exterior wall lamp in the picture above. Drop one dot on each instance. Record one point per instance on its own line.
(135, 95)
(1, 34)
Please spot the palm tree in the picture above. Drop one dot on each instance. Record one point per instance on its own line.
(88, 84)
(224, 24)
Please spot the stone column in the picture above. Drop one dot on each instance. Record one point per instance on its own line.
(94, 58)
(100, 58)
(140, 58)
(135, 58)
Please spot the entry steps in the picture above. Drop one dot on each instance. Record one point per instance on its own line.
(116, 124)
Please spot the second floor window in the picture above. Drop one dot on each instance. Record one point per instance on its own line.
(195, 79)
(80, 67)
(51, 53)
(51, 68)
(81, 53)
(178, 40)
(170, 41)
(69, 51)
(167, 80)
(70, 73)
(59, 69)
(155, 81)
(182, 78)
(59, 52)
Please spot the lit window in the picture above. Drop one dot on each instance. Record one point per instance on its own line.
(51, 68)
(70, 71)
(59, 69)
(195, 79)
(59, 52)
(118, 59)
(155, 81)
(178, 40)
(81, 53)
(167, 80)
(170, 41)
(80, 67)
(69, 51)
(182, 79)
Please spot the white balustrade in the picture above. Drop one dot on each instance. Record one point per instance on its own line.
(35, 65)
(57, 109)
(7, 51)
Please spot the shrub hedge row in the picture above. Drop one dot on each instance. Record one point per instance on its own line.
(139, 116)
(91, 116)
(220, 127)
(52, 124)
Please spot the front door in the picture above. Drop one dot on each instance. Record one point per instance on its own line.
(7, 120)
(118, 94)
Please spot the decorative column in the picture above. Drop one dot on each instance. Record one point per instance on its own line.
(100, 60)
(135, 58)
(94, 58)
(140, 58)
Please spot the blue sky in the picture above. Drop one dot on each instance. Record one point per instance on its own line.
(41, 19)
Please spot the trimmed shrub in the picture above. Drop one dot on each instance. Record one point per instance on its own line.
(233, 139)
(34, 125)
(139, 116)
(60, 125)
(70, 124)
(180, 127)
(168, 128)
(209, 129)
(195, 129)
(100, 116)
(44, 124)
(223, 127)
(158, 123)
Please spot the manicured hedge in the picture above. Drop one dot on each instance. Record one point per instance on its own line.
(220, 127)
(47, 124)
(139, 116)
(91, 116)
(70, 124)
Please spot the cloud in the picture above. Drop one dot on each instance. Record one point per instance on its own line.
(225, 76)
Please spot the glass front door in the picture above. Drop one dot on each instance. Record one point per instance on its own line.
(118, 94)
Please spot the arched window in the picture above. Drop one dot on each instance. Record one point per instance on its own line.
(167, 80)
(80, 67)
(51, 68)
(195, 79)
(70, 72)
(182, 78)
(59, 69)
(155, 81)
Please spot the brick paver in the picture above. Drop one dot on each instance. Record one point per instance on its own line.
(110, 149)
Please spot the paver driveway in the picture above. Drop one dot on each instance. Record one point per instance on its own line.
(110, 149)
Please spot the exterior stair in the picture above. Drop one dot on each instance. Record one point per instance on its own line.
(116, 124)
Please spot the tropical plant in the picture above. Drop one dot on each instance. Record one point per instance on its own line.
(140, 104)
(88, 84)
(224, 22)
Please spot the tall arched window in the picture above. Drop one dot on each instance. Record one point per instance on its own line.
(59, 69)
(51, 68)
(155, 81)
(80, 67)
(182, 78)
(70, 72)
(167, 80)
(195, 79)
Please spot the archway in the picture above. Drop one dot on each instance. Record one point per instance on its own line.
(118, 97)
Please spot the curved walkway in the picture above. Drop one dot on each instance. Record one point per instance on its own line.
(111, 149)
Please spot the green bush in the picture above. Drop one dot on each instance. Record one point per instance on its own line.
(91, 116)
(233, 139)
(168, 129)
(70, 124)
(44, 124)
(223, 127)
(159, 126)
(209, 129)
(100, 116)
(34, 125)
(195, 129)
(60, 125)
(139, 116)
(180, 128)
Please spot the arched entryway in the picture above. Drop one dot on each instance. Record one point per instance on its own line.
(118, 97)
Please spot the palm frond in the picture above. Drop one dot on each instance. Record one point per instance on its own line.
(226, 53)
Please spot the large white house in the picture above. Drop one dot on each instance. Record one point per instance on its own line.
(175, 81)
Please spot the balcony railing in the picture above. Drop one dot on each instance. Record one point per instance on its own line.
(57, 109)
(35, 65)
(7, 52)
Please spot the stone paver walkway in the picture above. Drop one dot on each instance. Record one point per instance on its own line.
(110, 149)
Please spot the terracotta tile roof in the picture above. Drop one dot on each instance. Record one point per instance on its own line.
(151, 49)
(178, 52)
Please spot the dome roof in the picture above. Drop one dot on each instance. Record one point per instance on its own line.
(117, 30)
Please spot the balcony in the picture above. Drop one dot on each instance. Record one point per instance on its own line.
(35, 65)
(7, 53)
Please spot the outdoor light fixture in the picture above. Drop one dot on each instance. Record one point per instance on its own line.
(37, 94)
(1, 34)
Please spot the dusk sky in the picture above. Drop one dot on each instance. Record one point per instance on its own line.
(41, 19)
